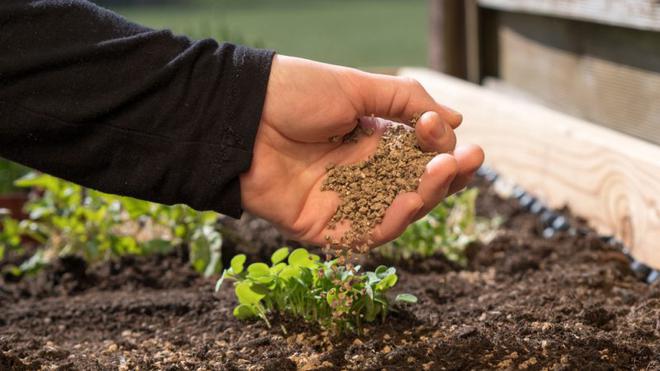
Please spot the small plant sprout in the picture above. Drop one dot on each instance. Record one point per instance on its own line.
(67, 219)
(299, 284)
(449, 228)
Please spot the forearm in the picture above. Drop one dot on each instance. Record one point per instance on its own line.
(87, 96)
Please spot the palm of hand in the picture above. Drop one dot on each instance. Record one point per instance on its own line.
(286, 187)
(292, 151)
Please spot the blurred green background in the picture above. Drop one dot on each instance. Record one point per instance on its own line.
(359, 33)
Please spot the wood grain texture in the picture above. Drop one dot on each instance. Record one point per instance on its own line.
(639, 14)
(446, 45)
(573, 67)
(472, 41)
(609, 178)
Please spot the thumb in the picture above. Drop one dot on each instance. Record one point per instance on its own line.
(399, 98)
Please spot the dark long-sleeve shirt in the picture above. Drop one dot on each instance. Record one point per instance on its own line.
(87, 96)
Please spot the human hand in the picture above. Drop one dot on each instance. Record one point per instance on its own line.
(306, 104)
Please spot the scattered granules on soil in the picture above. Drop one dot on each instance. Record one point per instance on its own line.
(368, 188)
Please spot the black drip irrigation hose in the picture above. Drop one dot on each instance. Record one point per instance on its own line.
(553, 222)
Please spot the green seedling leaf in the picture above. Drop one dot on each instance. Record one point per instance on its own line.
(387, 282)
(39, 181)
(277, 268)
(244, 312)
(406, 298)
(300, 258)
(372, 278)
(325, 292)
(279, 255)
(387, 272)
(258, 270)
(289, 272)
(237, 263)
(248, 293)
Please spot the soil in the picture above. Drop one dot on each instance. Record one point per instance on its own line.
(524, 302)
(368, 188)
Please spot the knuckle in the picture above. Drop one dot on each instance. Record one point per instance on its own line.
(450, 143)
(411, 82)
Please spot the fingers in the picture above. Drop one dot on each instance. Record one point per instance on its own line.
(400, 98)
(433, 134)
(409, 207)
(469, 158)
(444, 174)
(435, 182)
(397, 217)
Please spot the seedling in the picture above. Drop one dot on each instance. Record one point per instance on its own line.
(449, 228)
(67, 219)
(299, 284)
(10, 233)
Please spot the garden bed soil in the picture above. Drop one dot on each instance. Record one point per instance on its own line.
(524, 302)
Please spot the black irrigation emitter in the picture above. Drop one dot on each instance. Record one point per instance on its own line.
(554, 222)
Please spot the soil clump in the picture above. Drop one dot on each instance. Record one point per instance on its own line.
(368, 188)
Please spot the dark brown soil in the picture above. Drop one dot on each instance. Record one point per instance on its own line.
(524, 303)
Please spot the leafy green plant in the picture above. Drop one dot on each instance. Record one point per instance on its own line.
(299, 284)
(10, 233)
(449, 228)
(68, 219)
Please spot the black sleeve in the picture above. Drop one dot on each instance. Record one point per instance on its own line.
(87, 96)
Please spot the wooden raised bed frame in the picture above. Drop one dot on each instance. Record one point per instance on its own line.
(610, 179)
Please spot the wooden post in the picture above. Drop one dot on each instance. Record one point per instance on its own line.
(447, 49)
(472, 42)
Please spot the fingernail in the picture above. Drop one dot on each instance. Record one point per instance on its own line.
(454, 112)
(438, 130)
(458, 117)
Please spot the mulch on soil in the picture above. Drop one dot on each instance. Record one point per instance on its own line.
(524, 302)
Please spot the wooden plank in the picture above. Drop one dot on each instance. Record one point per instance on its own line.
(472, 41)
(639, 14)
(573, 67)
(611, 179)
(447, 37)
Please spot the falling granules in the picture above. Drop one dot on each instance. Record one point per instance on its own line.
(368, 188)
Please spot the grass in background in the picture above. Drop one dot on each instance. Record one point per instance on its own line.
(361, 33)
